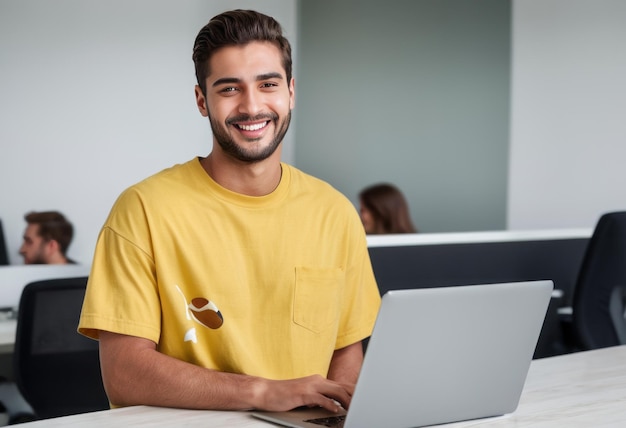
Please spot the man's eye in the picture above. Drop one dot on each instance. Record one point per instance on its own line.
(269, 85)
(229, 89)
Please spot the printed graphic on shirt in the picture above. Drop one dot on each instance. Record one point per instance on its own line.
(203, 311)
(206, 313)
(190, 335)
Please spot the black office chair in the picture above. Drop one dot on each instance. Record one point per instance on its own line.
(4, 255)
(56, 369)
(599, 295)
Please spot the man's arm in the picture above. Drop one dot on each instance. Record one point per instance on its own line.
(135, 373)
(345, 365)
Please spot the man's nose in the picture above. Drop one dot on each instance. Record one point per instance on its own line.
(251, 103)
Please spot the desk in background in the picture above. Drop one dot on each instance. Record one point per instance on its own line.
(586, 389)
(7, 342)
(7, 335)
(444, 259)
(425, 260)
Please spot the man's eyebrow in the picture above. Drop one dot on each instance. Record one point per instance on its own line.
(225, 81)
(267, 76)
(259, 78)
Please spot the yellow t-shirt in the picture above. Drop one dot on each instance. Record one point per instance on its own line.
(267, 286)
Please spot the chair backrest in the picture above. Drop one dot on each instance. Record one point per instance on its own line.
(598, 304)
(56, 369)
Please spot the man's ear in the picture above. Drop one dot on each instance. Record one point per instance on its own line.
(292, 94)
(201, 102)
(53, 246)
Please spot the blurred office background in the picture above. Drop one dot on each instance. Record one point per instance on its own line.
(488, 114)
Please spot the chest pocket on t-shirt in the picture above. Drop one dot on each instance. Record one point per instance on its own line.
(316, 301)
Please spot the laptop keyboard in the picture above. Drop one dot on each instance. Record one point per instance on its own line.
(331, 421)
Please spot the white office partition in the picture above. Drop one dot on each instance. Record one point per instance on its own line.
(14, 278)
(408, 239)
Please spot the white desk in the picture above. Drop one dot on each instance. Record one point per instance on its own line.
(584, 389)
(7, 343)
(7, 335)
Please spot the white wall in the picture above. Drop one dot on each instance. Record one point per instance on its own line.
(96, 95)
(568, 113)
(410, 92)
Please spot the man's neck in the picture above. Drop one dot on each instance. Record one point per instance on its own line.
(57, 259)
(251, 179)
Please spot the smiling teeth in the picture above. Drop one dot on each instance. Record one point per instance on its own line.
(255, 127)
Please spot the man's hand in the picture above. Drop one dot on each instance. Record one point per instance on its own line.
(332, 393)
(311, 391)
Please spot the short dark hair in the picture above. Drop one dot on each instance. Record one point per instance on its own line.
(52, 225)
(234, 28)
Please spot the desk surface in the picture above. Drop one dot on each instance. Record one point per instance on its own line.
(582, 389)
(7, 335)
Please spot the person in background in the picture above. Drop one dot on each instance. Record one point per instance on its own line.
(46, 239)
(233, 281)
(384, 209)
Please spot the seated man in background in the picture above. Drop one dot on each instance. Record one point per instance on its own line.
(46, 238)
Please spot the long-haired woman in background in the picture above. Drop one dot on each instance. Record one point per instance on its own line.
(384, 209)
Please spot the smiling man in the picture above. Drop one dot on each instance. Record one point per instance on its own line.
(233, 281)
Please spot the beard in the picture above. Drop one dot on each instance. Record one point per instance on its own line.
(242, 152)
(37, 258)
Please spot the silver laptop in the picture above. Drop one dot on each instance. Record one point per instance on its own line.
(440, 355)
